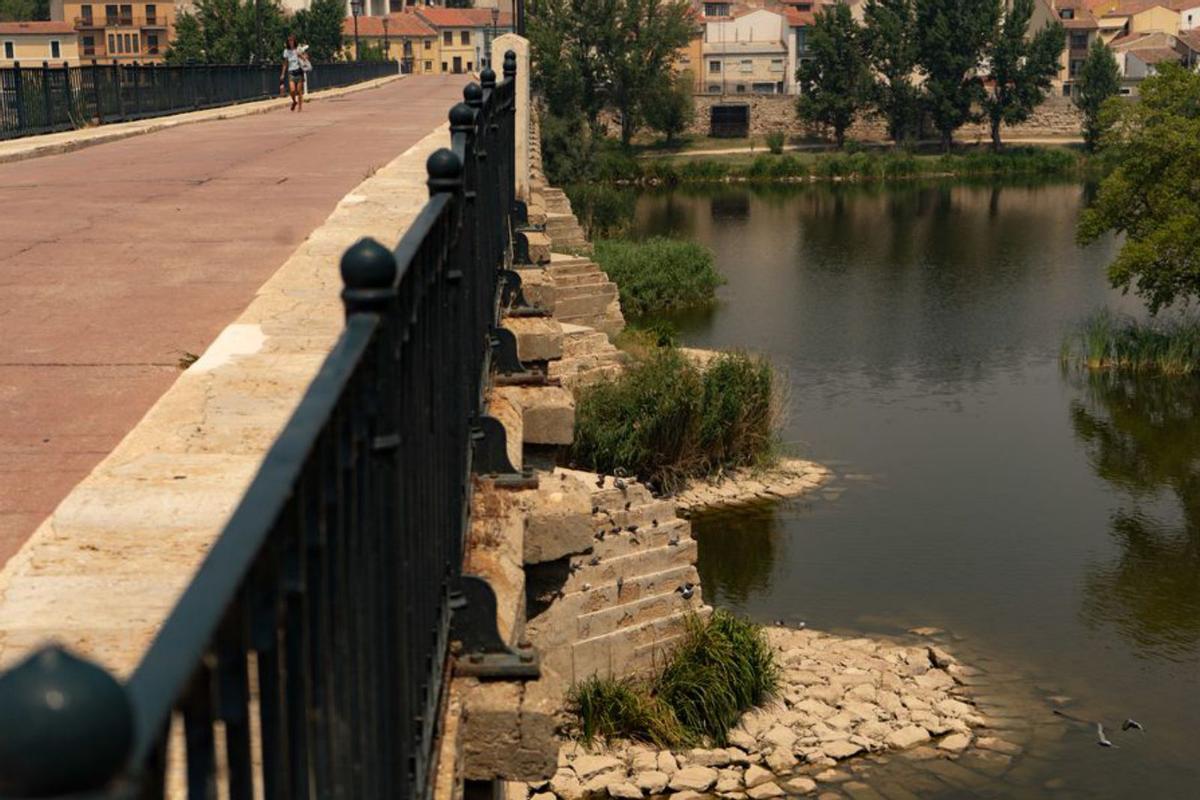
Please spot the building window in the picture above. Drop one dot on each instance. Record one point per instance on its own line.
(776, 65)
(741, 88)
(151, 14)
(714, 66)
(464, 37)
(112, 46)
(716, 9)
(747, 65)
(8, 50)
(444, 67)
(1066, 90)
(468, 66)
(89, 45)
(802, 40)
(713, 88)
(126, 15)
(110, 15)
(152, 43)
(55, 49)
(1066, 13)
(447, 37)
(137, 43)
(1076, 65)
(1079, 41)
(85, 13)
(428, 44)
(429, 66)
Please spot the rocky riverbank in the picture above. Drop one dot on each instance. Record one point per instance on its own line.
(787, 478)
(841, 700)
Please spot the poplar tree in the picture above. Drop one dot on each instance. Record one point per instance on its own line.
(951, 38)
(890, 39)
(1022, 67)
(836, 82)
(1098, 80)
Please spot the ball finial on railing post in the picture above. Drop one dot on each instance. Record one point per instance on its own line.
(510, 65)
(68, 726)
(487, 78)
(369, 274)
(473, 95)
(462, 118)
(445, 171)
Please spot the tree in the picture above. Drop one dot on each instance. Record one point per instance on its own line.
(835, 82)
(890, 38)
(1152, 195)
(1098, 80)
(21, 10)
(595, 54)
(1022, 67)
(951, 38)
(230, 32)
(320, 27)
(670, 107)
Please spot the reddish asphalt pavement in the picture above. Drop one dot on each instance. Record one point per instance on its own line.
(118, 259)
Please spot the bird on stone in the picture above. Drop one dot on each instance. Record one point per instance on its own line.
(673, 541)
(1101, 739)
(1131, 723)
(687, 590)
(620, 583)
(593, 561)
(600, 481)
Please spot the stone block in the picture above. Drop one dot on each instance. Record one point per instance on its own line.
(559, 520)
(539, 247)
(547, 412)
(538, 338)
(503, 737)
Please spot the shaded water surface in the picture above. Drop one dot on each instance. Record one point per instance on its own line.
(1049, 519)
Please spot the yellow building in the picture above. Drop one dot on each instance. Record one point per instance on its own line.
(457, 38)
(31, 43)
(407, 39)
(126, 32)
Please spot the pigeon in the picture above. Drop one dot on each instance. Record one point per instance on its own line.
(632, 528)
(1101, 739)
(600, 481)
(687, 590)
(620, 484)
(593, 561)
(628, 503)
(586, 587)
(1132, 723)
(673, 541)
(653, 523)
(620, 583)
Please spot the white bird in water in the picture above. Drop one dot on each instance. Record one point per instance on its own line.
(1101, 739)
(1131, 723)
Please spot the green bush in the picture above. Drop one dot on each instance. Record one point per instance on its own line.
(723, 667)
(1109, 341)
(658, 274)
(775, 140)
(667, 420)
(602, 209)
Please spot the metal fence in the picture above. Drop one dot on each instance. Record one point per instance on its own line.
(308, 655)
(47, 98)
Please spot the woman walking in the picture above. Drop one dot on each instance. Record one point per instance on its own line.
(293, 68)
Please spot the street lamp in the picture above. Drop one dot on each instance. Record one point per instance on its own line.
(495, 19)
(387, 50)
(356, 7)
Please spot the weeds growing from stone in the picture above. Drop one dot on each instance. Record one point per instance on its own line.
(723, 667)
(658, 274)
(667, 420)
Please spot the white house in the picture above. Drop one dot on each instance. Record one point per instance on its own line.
(746, 53)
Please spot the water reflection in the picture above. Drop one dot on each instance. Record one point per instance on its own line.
(1143, 436)
(737, 553)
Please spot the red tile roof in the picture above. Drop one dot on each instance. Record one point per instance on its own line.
(399, 25)
(441, 17)
(43, 27)
(798, 19)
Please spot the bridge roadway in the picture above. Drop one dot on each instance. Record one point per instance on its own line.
(118, 260)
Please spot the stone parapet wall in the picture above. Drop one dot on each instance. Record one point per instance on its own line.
(1056, 117)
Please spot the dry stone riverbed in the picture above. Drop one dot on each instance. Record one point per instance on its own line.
(854, 717)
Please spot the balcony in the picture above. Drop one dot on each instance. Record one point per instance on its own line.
(120, 21)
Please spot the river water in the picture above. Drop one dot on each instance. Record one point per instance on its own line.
(1047, 520)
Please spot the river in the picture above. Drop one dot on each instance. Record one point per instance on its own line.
(1050, 521)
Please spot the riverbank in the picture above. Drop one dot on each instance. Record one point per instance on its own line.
(845, 707)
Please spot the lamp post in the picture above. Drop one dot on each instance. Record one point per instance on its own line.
(495, 19)
(387, 49)
(356, 9)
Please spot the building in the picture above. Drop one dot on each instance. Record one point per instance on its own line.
(124, 32)
(800, 18)
(1082, 28)
(1139, 55)
(406, 38)
(745, 53)
(464, 35)
(31, 43)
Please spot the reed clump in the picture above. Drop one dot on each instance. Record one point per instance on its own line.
(723, 667)
(1109, 341)
(659, 274)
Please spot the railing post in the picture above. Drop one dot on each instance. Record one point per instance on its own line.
(68, 95)
(70, 726)
(116, 73)
(19, 96)
(137, 94)
(96, 92)
(48, 105)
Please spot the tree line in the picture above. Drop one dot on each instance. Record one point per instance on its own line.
(253, 32)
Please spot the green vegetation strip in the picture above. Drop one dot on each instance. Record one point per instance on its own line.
(723, 667)
(1109, 341)
(658, 274)
(666, 420)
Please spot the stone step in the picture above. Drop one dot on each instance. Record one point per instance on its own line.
(640, 562)
(615, 545)
(580, 278)
(580, 266)
(615, 652)
(585, 307)
(601, 286)
(642, 515)
(611, 496)
(538, 338)
(635, 612)
(578, 378)
(581, 340)
(547, 412)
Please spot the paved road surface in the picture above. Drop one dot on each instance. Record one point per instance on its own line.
(118, 259)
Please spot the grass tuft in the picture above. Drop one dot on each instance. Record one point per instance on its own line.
(1111, 341)
(658, 274)
(723, 667)
(667, 420)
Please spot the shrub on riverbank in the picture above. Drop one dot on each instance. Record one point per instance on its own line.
(666, 420)
(658, 274)
(1110, 341)
(602, 209)
(723, 667)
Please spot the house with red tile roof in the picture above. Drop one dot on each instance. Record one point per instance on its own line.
(406, 38)
(31, 43)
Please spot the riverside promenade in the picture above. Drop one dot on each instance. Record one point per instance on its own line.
(123, 260)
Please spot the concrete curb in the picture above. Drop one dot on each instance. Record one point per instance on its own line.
(55, 143)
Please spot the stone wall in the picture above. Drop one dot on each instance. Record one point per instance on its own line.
(1057, 117)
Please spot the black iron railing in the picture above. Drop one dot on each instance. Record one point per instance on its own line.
(48, 98)
(309, 652)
